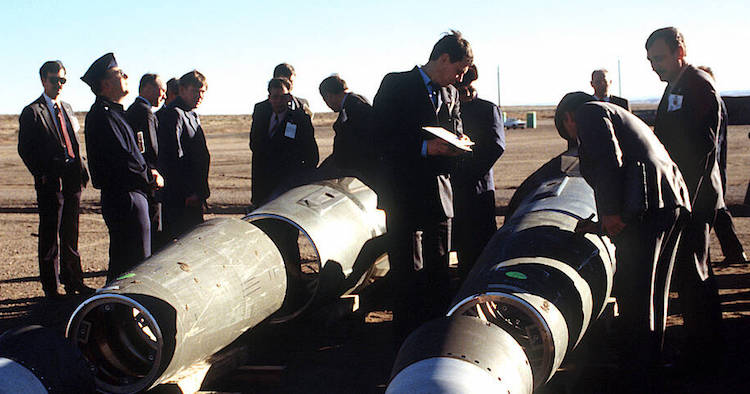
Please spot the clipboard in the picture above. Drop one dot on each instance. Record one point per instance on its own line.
(449, 137)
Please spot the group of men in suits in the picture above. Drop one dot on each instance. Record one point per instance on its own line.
(127, 151)
(657, 194)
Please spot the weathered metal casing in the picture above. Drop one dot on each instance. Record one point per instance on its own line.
(459, 355)
(536, 280)
(180, 306)
(340, 219)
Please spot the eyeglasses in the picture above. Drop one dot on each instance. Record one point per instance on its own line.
(56, 80)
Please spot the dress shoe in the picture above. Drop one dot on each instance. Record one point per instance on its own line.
(79, 288)
(740, 259)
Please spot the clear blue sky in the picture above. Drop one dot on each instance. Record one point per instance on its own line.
(543, 49)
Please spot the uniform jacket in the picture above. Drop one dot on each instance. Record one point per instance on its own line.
(40, 145)
(414, 185)
(277, 158)
(687, 123)
(115, 162)
(144, 125)
(612, 140)
(482, 123)
(352, 145)
(183, 159)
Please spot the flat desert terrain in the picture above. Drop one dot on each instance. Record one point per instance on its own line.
(352, 352)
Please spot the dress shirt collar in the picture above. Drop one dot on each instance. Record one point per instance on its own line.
(51, 104)
(343, 101)
(430, 86)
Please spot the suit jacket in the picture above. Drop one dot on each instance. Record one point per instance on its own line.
(352, 144)
(483, 123)
(612, 140)
(278, 158)
(144, 124)
(687, 123)
(40, 145)
(184, 159)
(411, 185)
(115, 161)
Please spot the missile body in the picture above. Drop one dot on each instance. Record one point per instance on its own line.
(225, 276)
(536, 281)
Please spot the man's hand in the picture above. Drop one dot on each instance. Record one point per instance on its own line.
(158, 179)
(438, 147)
(612, 225)
(193, 201)
(588, 225)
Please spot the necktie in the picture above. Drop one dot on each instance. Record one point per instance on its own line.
(274, 122)
(64, 131)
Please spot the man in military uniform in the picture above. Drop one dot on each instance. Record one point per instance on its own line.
(48, 145)
(144, 123)
(184, 158)
(118, 168)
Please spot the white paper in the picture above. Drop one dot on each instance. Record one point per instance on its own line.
(449, 137)
(290, 131)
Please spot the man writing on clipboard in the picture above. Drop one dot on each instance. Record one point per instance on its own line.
(416, 192)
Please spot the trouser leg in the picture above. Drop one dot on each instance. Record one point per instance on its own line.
(71, 272)
(49, 202)
(127, 218)
(434, 278)
(731, 247)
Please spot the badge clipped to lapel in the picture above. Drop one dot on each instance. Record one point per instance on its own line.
(290, 131)
(675, 102)
(141, 142)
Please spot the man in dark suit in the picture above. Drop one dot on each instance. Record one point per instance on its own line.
(723, 225)
(687, 122)
(144, 123)
(184, 159)
(118, 168)
(48, 145)
(282, 140)
(352, 144)
(414, 185)
(473, 183)
(613, 145)
(600, 82)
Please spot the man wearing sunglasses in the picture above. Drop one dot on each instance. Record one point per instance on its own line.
(48, 145)
(118, 168)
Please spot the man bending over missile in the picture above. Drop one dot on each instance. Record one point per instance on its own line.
(640, 196)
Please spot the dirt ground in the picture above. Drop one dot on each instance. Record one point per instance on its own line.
(350, 352)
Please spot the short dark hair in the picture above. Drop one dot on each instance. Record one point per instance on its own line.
(569, 103)
(454, 45)
(278, 83)
(173, 86)
(599, 70)
(51, 66)
(147, 79)
(333, 84)
(193, 78)
(671, 36)
(283, 70)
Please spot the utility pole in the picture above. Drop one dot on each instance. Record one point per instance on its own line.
(619, 79)
(498, 85)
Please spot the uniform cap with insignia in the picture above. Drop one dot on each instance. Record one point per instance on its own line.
(97, 69)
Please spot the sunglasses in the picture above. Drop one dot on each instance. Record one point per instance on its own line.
(55, 80)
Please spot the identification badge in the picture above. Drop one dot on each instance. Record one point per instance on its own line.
(290, 131)
(141, 142)
(675, 102)
(344, 118)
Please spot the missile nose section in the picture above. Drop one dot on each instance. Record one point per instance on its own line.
(460, 355)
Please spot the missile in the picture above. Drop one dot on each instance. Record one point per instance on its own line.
(536, 281)
(225, 276)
